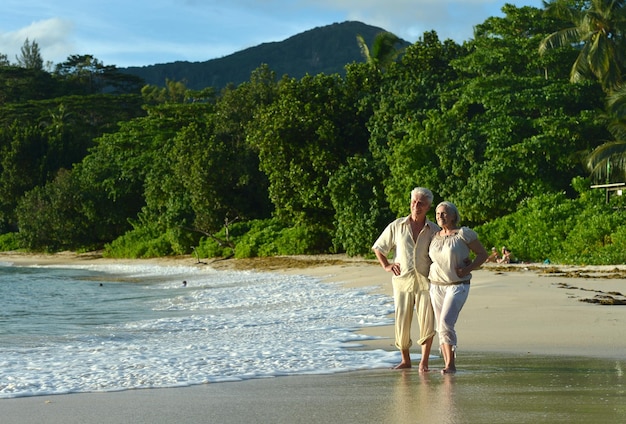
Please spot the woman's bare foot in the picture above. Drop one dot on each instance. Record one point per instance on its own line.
(449, 370)
(423, 366)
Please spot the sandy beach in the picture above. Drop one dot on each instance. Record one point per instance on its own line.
(520, 311)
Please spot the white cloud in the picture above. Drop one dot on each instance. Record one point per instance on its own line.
(53, 36)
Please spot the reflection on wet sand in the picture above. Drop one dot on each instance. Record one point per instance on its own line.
(511, 389)
(424, 397)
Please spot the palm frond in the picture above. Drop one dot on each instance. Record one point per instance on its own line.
(598, 57)
(564, 38)
(607, 156)
(384, 48)
(580, 68)
(365, 51)
(616, 102)
(617, 128)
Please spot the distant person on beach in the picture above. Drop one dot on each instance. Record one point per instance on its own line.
(450, 274)
(410, 237)
(506, 256)
(493, 257)
(184, 283)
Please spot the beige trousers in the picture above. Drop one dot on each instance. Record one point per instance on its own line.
(409, 296)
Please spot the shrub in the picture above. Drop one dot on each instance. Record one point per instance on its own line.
(141, 242)
(260, 240)
(9, 241)
(221, 245)
(268, 237)
(535, 231)
(303, 240)
(584, 230)
(592, 241)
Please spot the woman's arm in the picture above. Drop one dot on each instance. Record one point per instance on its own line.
(481, 256)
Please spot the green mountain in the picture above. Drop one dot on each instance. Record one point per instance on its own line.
(320, 50)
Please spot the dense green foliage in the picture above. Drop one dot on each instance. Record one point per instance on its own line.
(554, 227)
(319, 163)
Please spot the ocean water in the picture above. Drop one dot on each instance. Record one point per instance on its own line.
(92, 328)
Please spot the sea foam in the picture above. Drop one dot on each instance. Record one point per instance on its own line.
(118, 327)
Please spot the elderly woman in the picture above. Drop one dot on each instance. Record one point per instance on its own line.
(450, 275)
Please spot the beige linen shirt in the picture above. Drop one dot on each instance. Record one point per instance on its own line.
(411, 255)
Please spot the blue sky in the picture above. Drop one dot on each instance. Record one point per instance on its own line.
(145, 32)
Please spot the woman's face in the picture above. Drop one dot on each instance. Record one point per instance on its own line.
(444, 218)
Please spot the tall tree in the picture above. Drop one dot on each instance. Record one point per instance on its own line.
(409, 93)
(508, 45)
(303, 137)
(55, 216)
(84, 74)
(30, 56)
(21, 85)
(599, 30)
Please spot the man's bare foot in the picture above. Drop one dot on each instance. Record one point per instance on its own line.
(448, 370)
(402, 365)
(423, 369)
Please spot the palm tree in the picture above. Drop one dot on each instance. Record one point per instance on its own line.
(609, 159)
(599, 31)
(384, 50)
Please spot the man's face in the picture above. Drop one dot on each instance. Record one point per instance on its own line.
(419, 205)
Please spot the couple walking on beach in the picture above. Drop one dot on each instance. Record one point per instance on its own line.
(431, 274)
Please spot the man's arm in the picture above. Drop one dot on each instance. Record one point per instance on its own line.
(384, 262)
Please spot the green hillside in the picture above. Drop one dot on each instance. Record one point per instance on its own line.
(320, 50)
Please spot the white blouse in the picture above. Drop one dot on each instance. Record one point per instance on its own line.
(449, 253)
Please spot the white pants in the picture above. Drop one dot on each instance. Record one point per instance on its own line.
(448, 300)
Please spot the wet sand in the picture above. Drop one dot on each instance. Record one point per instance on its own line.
(533, 347)
(490, 388)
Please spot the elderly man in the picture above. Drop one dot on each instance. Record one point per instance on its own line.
(410, 238)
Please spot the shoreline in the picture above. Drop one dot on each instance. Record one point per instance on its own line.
(518, 308)
(524, 330)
